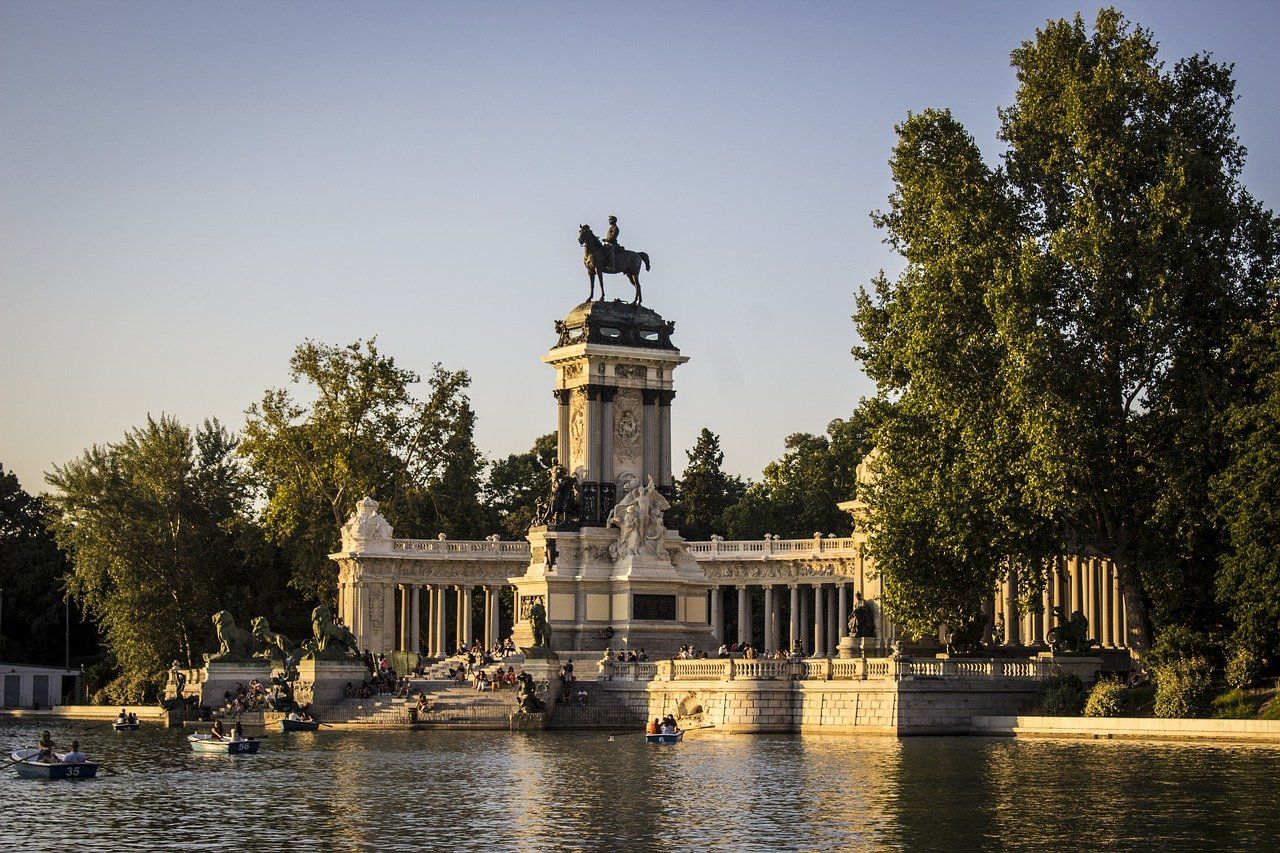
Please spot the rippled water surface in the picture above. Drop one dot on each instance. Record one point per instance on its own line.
(582, 790)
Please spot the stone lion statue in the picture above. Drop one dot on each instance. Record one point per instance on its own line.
(527, 695)
(538, 626)
(271, 646)
(235, 645)
(1070, 634)
(330, 641)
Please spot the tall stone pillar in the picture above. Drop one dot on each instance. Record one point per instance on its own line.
(1012, 628)
(562, 420)
(833, 625)
(664, 440)
(806, 638)
(468, 625)
(607, 393)
(487, 636)
(819, 621)
(1117, 609)
(360, 619)
(717, 614)
(1076, 569)
(1036, 618)
(794, 637)
(744, 614)
(388, 617)
(1090, 569)
(1104, 581)
(1046, 606)
(442, 638)
(769, 641)
(649, 396)
(415, 622)
(842, 612)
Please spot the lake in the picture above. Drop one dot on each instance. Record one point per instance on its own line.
(589, 790)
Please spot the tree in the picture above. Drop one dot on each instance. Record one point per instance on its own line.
(705, 491)
(33, 578)
(516, 484)
(364, 434)
(1054, 342)
(155, 527)
(799, 494)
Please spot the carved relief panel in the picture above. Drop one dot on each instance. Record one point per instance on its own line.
(577, 430)
(628, 431)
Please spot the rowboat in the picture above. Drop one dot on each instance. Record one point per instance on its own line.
(676, 737)
(125, 727)
(209, 743)
(287, 725)
(26, 765)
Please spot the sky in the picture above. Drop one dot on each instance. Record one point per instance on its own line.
(189, 190)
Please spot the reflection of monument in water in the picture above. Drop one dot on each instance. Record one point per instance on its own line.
(604, 564)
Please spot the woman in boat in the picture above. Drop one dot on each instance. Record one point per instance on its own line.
(216, 732)
(652, 728)
(133, 719)
(46, 749)
(237, 732)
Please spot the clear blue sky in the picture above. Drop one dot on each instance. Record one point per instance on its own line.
(188, 190)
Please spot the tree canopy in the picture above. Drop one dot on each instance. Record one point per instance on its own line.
(1053, 346)
(705, 491)
(517, 482)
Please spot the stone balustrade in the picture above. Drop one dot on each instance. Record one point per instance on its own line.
(826, 669)
(715, 549)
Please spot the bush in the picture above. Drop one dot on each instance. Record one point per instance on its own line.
(1243, 668)
(1063, 696)
(1106, 699)
(1176, 643)
(1183, 688)
(136, 689)
(1236, 705)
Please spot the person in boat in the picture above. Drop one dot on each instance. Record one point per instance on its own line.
(122, 718)
(45, 747)
(133, 719)
(75, 756)
(216, 732)
(652, 728)
(294, 715)
(237, 732)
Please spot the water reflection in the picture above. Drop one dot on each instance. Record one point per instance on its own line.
(476, 790)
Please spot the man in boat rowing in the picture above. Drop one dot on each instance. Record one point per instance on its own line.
(75, 756)
(216, 732)
(122, 717)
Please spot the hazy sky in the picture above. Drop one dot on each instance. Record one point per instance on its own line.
(188, 190)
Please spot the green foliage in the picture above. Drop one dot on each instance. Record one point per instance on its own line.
(364, 434)
(33, 578)
(798, 494)
(1183, 688)
(1106, 699)
(1246, 494)
(1243, 668)
(1050, 356)
(1063, 696)
(1271, 710)
(1176, 643)
(517, 483)
(155, 527)
(705, 492)
(1236, 704)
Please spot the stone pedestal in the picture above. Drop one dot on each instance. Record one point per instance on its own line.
(847, 648)
(219, 677)
(1086, 667)
(324, 681)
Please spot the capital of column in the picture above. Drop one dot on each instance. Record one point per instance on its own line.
(562, 395)
(649, 396)
(665, 396)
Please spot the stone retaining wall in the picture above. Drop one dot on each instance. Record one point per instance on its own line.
(1138, 728)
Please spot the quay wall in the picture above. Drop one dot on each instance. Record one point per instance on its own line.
(1128, 728)
(907, 707)
(146, 713)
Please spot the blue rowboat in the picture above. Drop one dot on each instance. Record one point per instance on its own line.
(661, 738)
(225, 746)
(287, 725)
(26, 765)
(125, 727)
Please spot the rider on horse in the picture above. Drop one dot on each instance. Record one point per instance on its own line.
(610, 242)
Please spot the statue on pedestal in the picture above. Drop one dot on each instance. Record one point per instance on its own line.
(270, 646)
(1070, 634)
(330, 641)
(564, 508)
(862, 623)
(608, 257)
(966, 639)
(527, 695)
(538, 626)
(235, 645)
(638, 517)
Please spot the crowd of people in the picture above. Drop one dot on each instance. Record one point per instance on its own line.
(750, 652)
(251, 698)
(126, 718)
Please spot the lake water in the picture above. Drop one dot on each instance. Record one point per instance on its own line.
(582, 790)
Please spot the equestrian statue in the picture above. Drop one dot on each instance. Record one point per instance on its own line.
(608, 256)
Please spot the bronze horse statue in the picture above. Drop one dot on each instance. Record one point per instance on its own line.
(595, 257)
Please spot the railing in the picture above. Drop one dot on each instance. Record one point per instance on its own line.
(713, 550)
(824, 669)
(461, 546)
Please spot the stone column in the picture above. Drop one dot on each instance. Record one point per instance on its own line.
(1076, 570)
(795, 618)
(360, 620)
(1090, 570)
(717, 614)
(769, 643)
(1117, 609)
(805, 636)
(415, 623)
(989, 611)
(1012, 629)
(1036, 618)
(442, 638)
(388, 617)
(595, 426)
(744, 614)
(842, 612)
(487, 636)
(562, 421)
(1046, 607)
(819, 621)
(649, 464)
(664, 438)
(468, 624)
(833, 626)
(607, 393)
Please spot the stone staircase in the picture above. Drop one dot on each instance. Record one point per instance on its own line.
(384, 710)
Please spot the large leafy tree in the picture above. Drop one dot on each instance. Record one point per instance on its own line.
(798, 494)
(705, 491)
(33, 579)
(157, 532)
(517, 482)
(1053, 343)
(363, 433)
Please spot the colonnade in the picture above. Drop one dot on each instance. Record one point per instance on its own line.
(422, 625)
(1090, 585)
(817, 616)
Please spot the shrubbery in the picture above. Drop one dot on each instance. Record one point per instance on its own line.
(1106, 699)
(1063, 696)
(1176, 643)
(1243, 668)
(1183, 688)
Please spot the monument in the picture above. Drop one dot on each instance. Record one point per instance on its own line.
(235, 664)
(604, 567)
